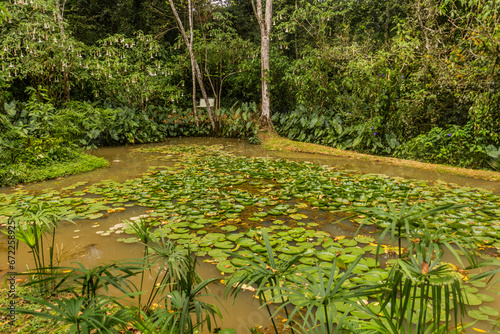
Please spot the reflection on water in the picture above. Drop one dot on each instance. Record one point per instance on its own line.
(80, 243)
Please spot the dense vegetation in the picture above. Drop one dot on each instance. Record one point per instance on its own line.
(416, 80)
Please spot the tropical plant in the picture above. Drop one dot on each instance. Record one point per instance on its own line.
(338, 129)
(134, 72)
(171, 263)
(419, 282)
(405, 221)
(423, 290)
(83, 315)
(240, 122)
(36, 226)
(87, 282)
(37, 48)
(315, 294)
(268, 274)
(178, 292)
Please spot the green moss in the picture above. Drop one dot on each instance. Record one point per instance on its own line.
(23, 173)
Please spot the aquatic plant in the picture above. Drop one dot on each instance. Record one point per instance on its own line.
(317, 293)
(82, 314)
(34, 224)
(268, 274)
(172, 265)
(180, 308)
(419, 283)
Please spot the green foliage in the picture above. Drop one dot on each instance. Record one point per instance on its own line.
(83, 316)
(36, 226)
(135, 72)
(38, 50)
(28, 135)
(341, 130)
(240, 122)
(466, 146)
(419, 282)
(267, 275)
(316, 294)
(459, 146)
(12, 174)
(36, 144)
(224, 56)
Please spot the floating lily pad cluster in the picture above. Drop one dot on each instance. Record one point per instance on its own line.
(214, 202)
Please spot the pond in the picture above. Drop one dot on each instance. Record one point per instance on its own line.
(216, 194)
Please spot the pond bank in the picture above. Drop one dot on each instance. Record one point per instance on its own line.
(274, 142)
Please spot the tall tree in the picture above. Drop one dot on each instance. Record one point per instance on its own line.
(264, 18)
(194, 62)
(193, 71)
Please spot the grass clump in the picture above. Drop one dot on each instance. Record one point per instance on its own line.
(77, 162)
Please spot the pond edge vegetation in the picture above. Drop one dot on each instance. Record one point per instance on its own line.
(274, 142)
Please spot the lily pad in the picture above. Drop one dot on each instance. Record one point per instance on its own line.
(364, 239)
(298, 216)
(218, 253)
(348, 258)
(129, 240)
(325, 256)
(229, 228)
(246, 242)
(194, 226)
(224, 244)
(225, 267)
(473, 300)
(485, 298)
(489, 311)
(478, 315)
(258, 248)
(233, 237)
(348, 242)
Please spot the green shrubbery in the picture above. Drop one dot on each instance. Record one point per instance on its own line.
(77, 162)
(458, 146)
(464, 146)
(341, 130)
(38, 141)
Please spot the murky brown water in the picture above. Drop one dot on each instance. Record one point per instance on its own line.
(89, 248)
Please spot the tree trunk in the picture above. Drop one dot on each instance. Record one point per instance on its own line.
(193, 72)
(193, 61)
(265, 22)
(195, 108)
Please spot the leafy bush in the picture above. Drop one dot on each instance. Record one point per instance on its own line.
(27, 133)
(341, 130)
(460, 146)
(241, 122)
(35, 135)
